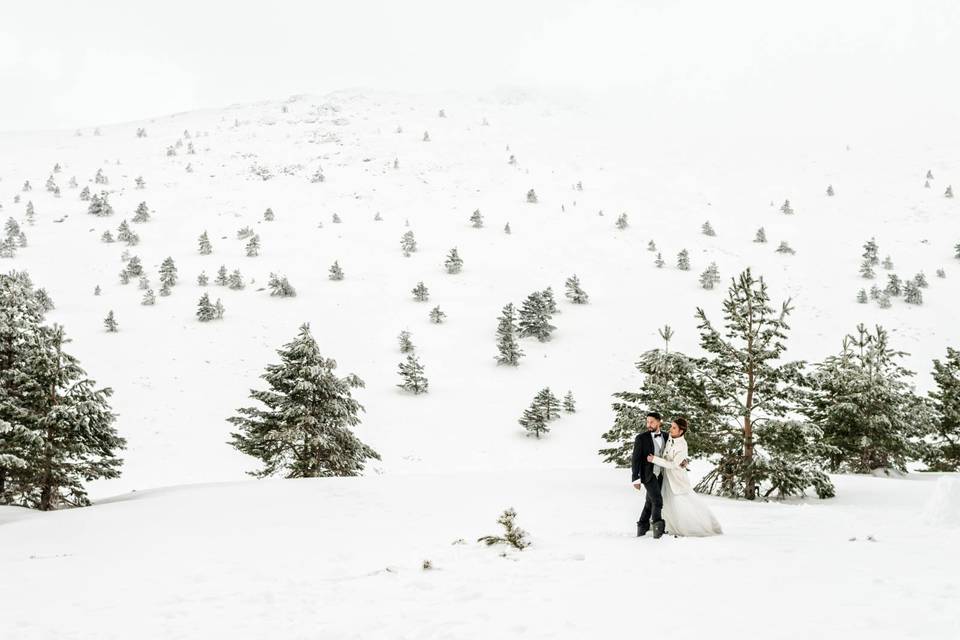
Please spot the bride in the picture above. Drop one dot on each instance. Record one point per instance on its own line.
(684, 513)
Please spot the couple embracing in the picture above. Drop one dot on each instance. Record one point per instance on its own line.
(660, 468)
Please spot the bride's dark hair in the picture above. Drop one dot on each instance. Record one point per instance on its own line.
(682, 423)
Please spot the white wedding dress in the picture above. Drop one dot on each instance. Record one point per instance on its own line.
(684, 512)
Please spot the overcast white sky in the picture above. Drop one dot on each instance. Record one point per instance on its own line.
(66, 64)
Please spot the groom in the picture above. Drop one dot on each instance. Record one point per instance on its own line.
(649, 475)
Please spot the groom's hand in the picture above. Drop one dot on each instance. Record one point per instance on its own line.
(650, 458)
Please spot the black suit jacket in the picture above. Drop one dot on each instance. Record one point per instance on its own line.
(642, 447)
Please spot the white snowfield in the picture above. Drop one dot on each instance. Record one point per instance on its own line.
(216, 555)
(343, 558)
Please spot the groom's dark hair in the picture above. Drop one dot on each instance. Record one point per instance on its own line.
(655, 414)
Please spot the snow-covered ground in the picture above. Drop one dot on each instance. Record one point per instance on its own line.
(341, 557)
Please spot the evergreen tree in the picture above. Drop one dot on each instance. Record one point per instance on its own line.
(148, 298)
(943, 451)
(871, 253)
(888, 263)
(142, 214)
(929, 174)
(622, 221)
(420, 292)
(453, 262)
(222, 278)
(99, 205)
(750, 395)
(548, 404)
(507, 346)
(707, 229)
(659, 261)
(134, 267)
(406, 344)
(710, 277)
(761, 235)
(205, 309)
(941, 273)
(912, 293)
(476, 219)
(786, 208)
(336, 218)
(408, 244)
(202, 279)
(100, 178)
(949, 192)
(218, 309)
(683, 260)
(235, 281)
(253, 246)
(785, 248)
(110, 323)
(866, 270)
(168, 272)
(305, 429)
(549, 301)
(426, 136)
(863, 401)
(244, 233)
(280, 286)
(920, 280)
(531, 195)
(513, 535)
(85, 194)
(506, 230)
(535, 318)
(436, 315)
(894, 286)
(575, 294)
(140, 184)
(829, 189)
(96, 290)
(569, 404)
(533, 420)
(884, 300)
(268, 215)
(205, 247)
(336, 273)
(411, 371)
(651, 246)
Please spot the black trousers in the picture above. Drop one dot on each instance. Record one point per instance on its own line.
(654, 502)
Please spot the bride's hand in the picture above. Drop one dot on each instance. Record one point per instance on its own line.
(650, 458)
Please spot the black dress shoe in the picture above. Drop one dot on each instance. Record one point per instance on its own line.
(642, 528)
(658, 528)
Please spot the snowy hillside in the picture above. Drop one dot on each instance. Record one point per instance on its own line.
(176, 380)
(342, 557)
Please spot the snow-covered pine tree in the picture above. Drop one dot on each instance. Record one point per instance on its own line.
(453, 263)
(710, 277)
(863, 401)
(535, 318)
(926, 184)
(752, 397)
(420, 292)
(142, 214)
(912, 293)
(786, 208)
(871, 252)
(549, 301)
(202, 279)
(244, 233)
(426, 136)
(651, 246)
(884, 300)
(408, 244)
(411, 372)
(659, 262)
(575, 293)
(336, 273)
(218, 309)
(506, 230)
(683, 260)
(336, 218)
(235, 281)
(866, 270)
(268, 215)
(874, 292)
(144, 283)
(829, 189)
(73, 424)
(548, 404)
(534, 421)
(888, 263)
(73, 182)
(512, 534)
(96, 290)
(168, 272)
(476, 219)
(509, 351)
(406, 344)
(531, 196)
(305, 429)
(569, 404)
(949, 192)
(929, 174)
(942, 453)
(921, 280)
(279, 286)
(785, 247)
(205, 246)
(100, 205)
(205, 309)
(110, 323)
(140, 183)
(761, 235)
(100, 178)
(894, 285)
(253, 246)
(134, 267)
(148, 298)
(222, 278)
(941, 273)
(707, 229)
(51, 185)
(622, 221)
(437, 316)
